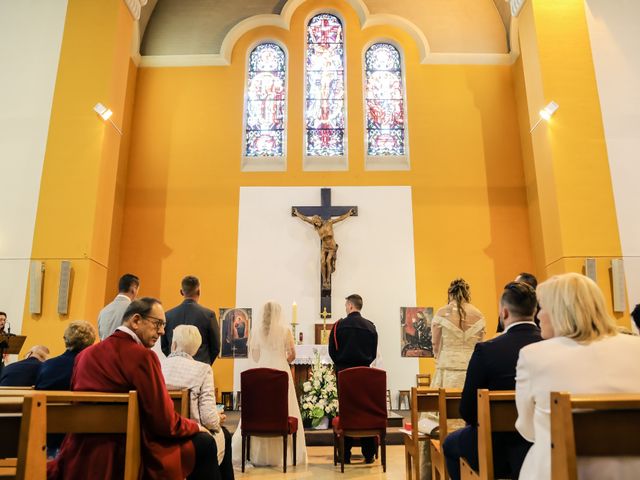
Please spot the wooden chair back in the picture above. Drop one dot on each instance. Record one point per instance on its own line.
(23, 425)
(181, 401)
(497, 412)
(448, 409)
(423, 380)
(592, 425)
(422, 401)
(94, 412)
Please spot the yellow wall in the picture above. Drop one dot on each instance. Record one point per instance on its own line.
(183, 182)
(569, 189)
(77, 191)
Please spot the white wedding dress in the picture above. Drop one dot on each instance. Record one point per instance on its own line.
(268, 451)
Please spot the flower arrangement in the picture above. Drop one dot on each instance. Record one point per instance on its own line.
(320, 397)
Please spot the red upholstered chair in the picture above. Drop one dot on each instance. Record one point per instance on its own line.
(362, 394)
(265, 410)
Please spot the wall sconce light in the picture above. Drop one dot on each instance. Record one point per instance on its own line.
(546, 113)
(106, 114)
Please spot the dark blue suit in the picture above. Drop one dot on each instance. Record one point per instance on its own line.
(20, 374)
(55, 373)
(492, 366)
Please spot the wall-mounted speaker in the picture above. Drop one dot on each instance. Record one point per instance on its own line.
(63, 289)
(36, 277)
(617, 277)
(590, 269)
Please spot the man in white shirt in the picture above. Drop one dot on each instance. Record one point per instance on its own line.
(110, 317)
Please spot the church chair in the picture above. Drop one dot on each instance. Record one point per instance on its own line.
(421, 401)
(448, 409)
(265, 412)
(181, 401)
(497, 412)
(423, 380)
(22, 443)
(94, 412)
(363, 410)
(590, 426)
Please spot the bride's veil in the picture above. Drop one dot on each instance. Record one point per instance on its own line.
(271, 334)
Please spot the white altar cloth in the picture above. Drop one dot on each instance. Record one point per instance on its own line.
(306, 355)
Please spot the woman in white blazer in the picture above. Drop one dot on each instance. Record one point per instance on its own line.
(581, 353)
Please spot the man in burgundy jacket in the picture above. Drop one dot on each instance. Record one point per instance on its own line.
(173, 447)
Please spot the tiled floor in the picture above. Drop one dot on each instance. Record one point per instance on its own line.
(320, 467)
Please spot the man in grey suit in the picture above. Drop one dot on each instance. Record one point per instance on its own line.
(110, 317)
(189, 312)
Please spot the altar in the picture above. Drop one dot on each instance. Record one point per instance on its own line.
(305, 358)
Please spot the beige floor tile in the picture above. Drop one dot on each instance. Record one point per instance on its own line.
(321, 467)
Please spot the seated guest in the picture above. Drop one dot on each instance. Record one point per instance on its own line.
(180, 371)
(583, 354)
(173, 447)
(55, 373)
(24, 372)
(493, 366)
(530, 280)
(635, 316)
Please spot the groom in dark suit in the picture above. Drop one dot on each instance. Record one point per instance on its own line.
(353, 342)
(493, 366)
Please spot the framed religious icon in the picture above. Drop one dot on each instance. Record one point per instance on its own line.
(415, 336)
(235, 325)
(318, 332)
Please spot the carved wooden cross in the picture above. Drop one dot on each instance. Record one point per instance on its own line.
(326, 212)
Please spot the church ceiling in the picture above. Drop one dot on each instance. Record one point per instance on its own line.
(191, 27)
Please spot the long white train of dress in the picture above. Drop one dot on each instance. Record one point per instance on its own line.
(268, 451)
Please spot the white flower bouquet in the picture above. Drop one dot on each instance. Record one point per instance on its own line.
(320, 397)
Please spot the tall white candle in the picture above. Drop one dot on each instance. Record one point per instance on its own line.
(294, 315)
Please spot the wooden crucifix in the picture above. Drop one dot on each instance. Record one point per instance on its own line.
(322, 219)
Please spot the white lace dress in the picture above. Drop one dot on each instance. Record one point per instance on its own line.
(456, 344)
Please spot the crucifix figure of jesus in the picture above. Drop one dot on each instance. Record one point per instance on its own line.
(322, 219)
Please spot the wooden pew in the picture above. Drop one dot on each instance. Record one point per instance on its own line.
(497, 412)
(181, 402)
(422, 400)
(94, 412)
(592, 425)
(22, 423)
(448, 409)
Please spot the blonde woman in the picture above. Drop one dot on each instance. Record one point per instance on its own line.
(582, 353)
(55, 373)
(180, 371)
(455, 330)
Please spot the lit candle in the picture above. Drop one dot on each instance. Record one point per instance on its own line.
(294, 315)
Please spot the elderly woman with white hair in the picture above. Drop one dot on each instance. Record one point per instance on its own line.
(582, 352)
(180, 371)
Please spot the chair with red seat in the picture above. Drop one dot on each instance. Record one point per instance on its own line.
(265, 410)
(362, 394)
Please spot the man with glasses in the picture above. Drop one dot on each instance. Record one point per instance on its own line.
(172, 446)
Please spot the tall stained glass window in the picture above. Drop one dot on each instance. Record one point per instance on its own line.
(385, 101)
(266, 106)
(324, 113)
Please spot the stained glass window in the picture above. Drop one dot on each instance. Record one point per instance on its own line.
(266, 106)
(324, 112)
(384, 101)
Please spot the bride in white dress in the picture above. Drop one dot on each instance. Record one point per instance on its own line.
(271, 346)
(455, 330)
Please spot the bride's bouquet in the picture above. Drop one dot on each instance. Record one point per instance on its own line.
(320, 397)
